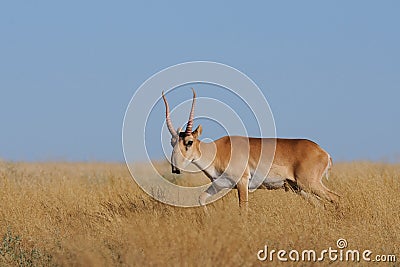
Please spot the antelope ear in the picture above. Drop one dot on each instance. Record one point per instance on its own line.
(179, 130)
(196, 133)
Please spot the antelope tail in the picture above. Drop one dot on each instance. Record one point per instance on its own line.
(328, 167)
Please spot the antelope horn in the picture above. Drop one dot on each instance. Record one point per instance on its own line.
(167, 118)
(191, 116)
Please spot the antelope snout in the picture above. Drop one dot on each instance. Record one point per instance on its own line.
(175, 169)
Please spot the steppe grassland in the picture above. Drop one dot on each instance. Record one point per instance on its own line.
(93, 214)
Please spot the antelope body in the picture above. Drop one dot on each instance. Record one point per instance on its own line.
(248, 163)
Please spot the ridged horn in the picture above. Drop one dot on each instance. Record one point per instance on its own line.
(191, 116)
(167, 117)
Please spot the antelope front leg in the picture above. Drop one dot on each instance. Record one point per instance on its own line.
(214, 188)
(243, 192)
(203, 198)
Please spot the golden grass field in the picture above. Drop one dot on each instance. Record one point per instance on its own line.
(93, 214)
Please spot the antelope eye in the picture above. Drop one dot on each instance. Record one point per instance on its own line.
(189, 143)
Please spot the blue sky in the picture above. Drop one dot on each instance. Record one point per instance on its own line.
(330, 70)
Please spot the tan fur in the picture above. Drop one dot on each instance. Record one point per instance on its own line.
(298, 160)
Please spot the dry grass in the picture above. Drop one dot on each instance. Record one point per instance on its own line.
(93, 214)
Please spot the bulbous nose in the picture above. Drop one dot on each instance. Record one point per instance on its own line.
(175, 169)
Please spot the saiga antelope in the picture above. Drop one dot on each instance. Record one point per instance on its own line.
(238, 161)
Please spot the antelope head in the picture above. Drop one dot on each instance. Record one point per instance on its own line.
(186, 145)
